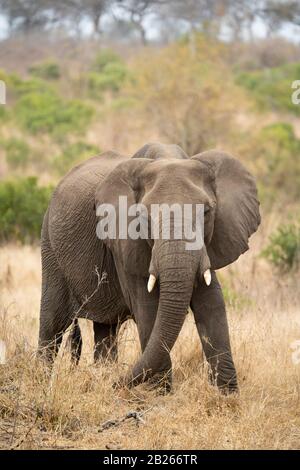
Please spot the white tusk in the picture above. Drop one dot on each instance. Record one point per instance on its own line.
(151, 282)
(207, 277)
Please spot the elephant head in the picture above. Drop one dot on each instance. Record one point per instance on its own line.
(231, 214)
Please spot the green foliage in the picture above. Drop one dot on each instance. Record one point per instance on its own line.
(73, 154)
(19, 87)
(47, 70)
(31, 86)
(22, 206)
(178, 93)
(283, 250)
(108, 74)
(9, 79)
(17, 152)
(276, 158)
(232, 298)
(39, 109)
(47, 112)
(271, 87)
(3, 113)
(104, 58)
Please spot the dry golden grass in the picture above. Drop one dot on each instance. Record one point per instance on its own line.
(68, 409)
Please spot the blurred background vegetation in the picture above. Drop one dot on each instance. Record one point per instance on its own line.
(83, 77)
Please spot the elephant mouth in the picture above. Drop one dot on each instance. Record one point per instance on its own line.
(177, 251)
(152, 280)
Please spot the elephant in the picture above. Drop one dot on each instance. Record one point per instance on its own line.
(152, 281)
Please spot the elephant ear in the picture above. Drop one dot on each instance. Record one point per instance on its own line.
(134, 255)
(237, 212)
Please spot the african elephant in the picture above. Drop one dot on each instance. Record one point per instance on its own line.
(73, 257)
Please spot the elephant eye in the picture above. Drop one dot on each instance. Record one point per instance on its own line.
(206, 210)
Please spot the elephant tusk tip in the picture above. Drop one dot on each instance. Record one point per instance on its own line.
(151, 282)
(207, 277)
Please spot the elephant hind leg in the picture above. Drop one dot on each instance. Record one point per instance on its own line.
(105, 339)
(56, 310)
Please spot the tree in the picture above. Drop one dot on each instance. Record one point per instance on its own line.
(277, 12)
(93, 10)
(204, 15)
(138, 11)
(241, 15)
(26, 15)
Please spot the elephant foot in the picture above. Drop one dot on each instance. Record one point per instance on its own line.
(160, 381)
(228, 389)
(225, 386)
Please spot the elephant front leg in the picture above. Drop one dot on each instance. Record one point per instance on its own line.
(211, 321)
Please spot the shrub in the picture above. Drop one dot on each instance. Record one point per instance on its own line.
(72, 154)
(276, 154)
(283, 250)
(111, 78)
(3, 113)
(33, 85)
(271, 87)
(48, 70)
(178, 94)
(47, 112)
(108, 73)
(9, 79)
(104, 58)
(19, 87)
(22, 207)
(17, 152)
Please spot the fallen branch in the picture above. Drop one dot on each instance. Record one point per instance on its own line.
(135, 415)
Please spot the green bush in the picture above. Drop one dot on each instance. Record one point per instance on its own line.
(19, 87)
(9, 79)
(108, 74)
(104, 58)
(39, 109)
(17, 152)
(31, 86)
(3, 113)
(283, 250)
(73, 154)
(275, 153)
(271, 87)
(47, 70)
(22, 207)
(47, 112)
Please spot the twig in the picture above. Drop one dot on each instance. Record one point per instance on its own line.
(136, 415)
(27, 433)
(87, 299)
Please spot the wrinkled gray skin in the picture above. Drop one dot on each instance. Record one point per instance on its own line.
(70, 252)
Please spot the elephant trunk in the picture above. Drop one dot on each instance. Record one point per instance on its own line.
(176, 269)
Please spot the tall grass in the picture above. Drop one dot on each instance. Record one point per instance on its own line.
(77, 407)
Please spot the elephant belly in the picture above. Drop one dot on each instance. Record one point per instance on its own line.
(103, 308)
